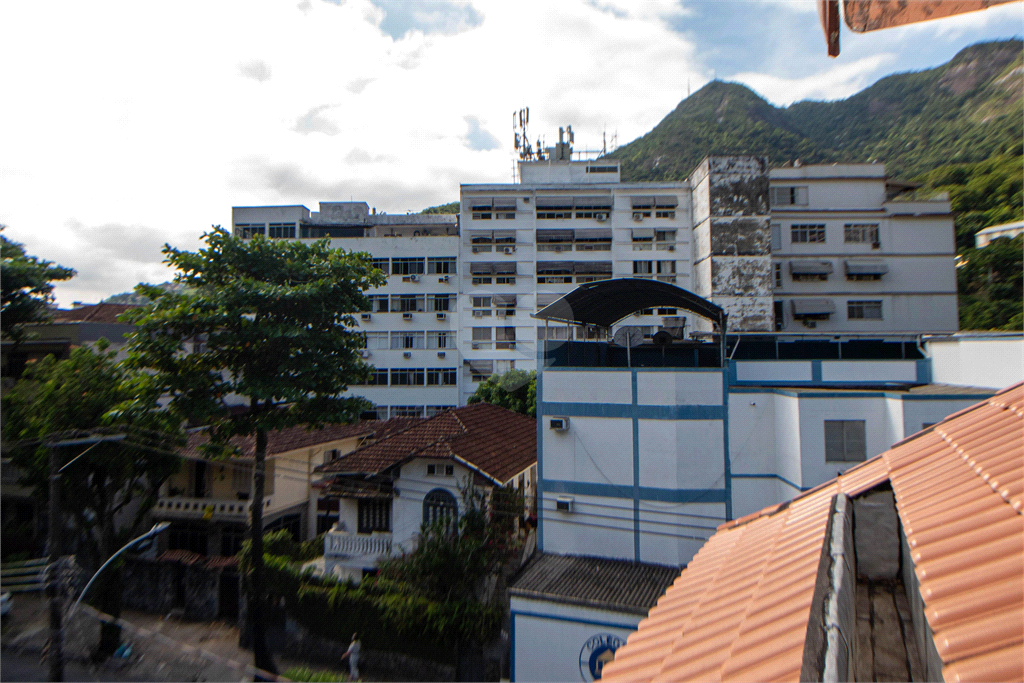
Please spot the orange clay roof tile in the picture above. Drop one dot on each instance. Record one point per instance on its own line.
(739, 610)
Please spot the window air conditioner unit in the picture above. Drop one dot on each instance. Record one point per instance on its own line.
(638, 216)
(810, 323)
(407, 316)
(442, 316)
(440, 354)
(478, 314)
(476, 250)
(366, 316)
(671, 247)
(559, 424)
(365, 353)
(600, 217)
(443, 279)
(406, 354)
(558, 249)
(564, 503)
(410, 278)
(501, 314)
(510, 250)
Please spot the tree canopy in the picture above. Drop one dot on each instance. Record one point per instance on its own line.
(27, 288)
(450, 207)
(515, 390)
(270, 321)
(106, 493)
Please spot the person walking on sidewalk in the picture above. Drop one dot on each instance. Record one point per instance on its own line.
(353, 657)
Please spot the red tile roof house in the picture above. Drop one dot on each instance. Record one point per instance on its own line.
(387, 489)
(909, 566)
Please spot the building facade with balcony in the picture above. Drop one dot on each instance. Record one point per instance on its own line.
(411, 329)
(386, 490)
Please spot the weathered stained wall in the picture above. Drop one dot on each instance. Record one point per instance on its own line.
(732, 240)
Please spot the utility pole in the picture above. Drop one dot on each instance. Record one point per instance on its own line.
(55, 654)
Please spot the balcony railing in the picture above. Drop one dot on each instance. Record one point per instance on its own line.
(180, 507)
(340, 543)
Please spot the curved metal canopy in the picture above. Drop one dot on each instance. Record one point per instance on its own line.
(606, 302)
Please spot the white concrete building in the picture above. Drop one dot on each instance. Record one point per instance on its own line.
(848, 256)
(411, 330)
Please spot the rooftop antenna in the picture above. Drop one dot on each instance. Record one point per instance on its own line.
(628, 336)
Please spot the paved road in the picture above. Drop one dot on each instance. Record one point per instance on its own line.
(26, 667)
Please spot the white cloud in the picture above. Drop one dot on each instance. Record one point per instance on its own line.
(838, 82)
(256, 69)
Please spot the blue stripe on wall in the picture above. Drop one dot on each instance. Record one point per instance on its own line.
(624, 410)
(625, 491)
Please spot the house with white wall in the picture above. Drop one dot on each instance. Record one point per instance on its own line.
(386, 490)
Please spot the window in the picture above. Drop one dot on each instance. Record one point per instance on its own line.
(434, 410)
(505, 301)
(241, 478)
(863, 310)
(406, 266)
(282, 230)
(374, 515)
(643, 267)
(442, 377)
(504, 237)
(554, 272)
(481, 302)
(480, 370)
(505, 280)
(439, 506)
(481, 338)
(557, 332)
(665, 214)
(602, 169)
(666, 267)
(438, 265)
(503, 366)
(788, 196)
(554, 208)
(245, 231)
(780, 315)
(776, 244)
(376, 340)
(504, 337)
(407, 303)
(406, 411)
(857, 233)
(807, 233)
(844, 441)
(231, 537)
(441, 339)
(408, 340)
(504, 208)
(382, 264)
(666, 311)
(481, 241)
(440, 302)
(778, 276)
(665, 240)
(436, 470)
(378, 303)
(378, 378)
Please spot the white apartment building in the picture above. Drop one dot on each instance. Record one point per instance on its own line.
(566, 223)
(411, 331)
(798, 250)
(849, 257)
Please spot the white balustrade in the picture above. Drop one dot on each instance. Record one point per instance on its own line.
(354, 545)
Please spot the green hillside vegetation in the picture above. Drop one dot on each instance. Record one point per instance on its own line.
(450, 207)
(966, 110)
(990, 282)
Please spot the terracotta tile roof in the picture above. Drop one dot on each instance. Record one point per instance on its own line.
(595, 582)
(740, 610)
(498, 442)
(284, 440)
(189, 558)
(95, 313)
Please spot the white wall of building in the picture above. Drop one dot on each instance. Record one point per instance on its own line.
(990, 361)
(548, 638)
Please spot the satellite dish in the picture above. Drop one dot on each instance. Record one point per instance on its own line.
(628, 336)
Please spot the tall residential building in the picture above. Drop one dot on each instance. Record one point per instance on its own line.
(795, 250)
(412, 329)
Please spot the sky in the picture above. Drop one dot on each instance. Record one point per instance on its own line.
(128, 125)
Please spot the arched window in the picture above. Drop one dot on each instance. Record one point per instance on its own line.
(439, 504)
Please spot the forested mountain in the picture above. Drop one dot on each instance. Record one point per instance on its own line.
(957, 128)
(963, 111)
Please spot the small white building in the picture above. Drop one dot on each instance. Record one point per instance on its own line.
(387, 489)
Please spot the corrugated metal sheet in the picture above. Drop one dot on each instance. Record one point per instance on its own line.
(740, 610)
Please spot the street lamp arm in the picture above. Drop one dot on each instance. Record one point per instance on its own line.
(157, 529)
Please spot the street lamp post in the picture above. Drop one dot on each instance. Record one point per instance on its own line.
(158, 528)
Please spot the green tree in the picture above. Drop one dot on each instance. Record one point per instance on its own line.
(112, 480)
(991, 285)
(515, 390)
(276, 319)
(27, 288)
(450, 207)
